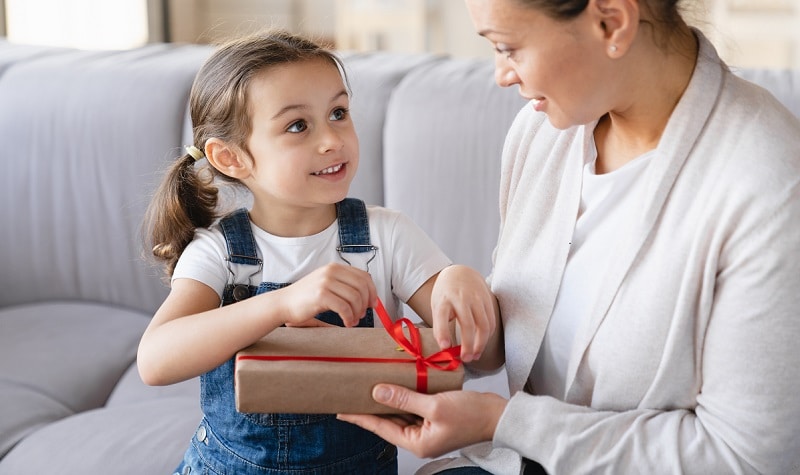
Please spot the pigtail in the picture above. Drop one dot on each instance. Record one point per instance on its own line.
(185, 200)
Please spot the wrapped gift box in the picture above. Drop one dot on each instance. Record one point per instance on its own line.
(287, 371)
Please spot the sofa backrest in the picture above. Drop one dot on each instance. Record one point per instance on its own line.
(83, 134)
(87, 136)
(443, 140)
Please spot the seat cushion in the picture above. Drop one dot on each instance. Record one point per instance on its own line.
(144, 438)
(58, 359)
(131, 390)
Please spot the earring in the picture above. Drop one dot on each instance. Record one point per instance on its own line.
(612, 48)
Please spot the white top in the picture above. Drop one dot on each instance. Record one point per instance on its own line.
(608, 209)
(405, 259)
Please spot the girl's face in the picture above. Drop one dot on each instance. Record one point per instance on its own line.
(303, 144)
(558, 65)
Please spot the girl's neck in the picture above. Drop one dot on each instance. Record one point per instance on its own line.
(294, 221)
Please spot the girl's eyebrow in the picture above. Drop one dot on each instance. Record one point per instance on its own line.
(292, 107)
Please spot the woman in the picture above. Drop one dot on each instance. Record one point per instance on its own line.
(646, 268)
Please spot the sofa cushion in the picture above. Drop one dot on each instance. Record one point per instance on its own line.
(373, 77)
(87, 133)
(131, 390)
(61, 358)
(444, 135)
(23, 411)
(11, 54)
(145, 438)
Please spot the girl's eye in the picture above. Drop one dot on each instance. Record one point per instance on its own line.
(297, 127)
(339, 113)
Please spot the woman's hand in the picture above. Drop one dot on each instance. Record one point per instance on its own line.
(460, 293)
(344, 289)
(449, 420)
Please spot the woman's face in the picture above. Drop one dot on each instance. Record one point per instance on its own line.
(558, 65)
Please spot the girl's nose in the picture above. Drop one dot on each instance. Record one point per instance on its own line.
(330, 141)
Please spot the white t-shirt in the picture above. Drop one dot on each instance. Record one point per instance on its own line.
(405, 259)
(609, 203)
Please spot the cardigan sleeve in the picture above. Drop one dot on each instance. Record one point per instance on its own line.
(747, 417)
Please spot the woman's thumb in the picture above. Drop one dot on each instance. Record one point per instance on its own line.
(398, 397)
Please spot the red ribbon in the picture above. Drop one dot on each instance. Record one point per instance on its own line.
(444, 360)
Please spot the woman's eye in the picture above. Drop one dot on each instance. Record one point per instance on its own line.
(505, 51)
(297, 127)
(339, 114)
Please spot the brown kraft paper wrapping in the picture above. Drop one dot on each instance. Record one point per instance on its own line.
(323, 387)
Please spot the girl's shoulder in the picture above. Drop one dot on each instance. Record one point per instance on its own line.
(208, 241)
(389, 218)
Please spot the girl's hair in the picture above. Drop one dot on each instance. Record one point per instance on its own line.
(187, 197)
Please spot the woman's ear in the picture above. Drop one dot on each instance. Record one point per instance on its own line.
(227, 159)
(616, 22)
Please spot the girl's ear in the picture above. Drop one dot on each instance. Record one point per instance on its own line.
(616, 22)
(226, 158)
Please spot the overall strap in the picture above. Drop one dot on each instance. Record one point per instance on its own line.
(239, 238)
(241, 246)
(353, 228)
(353, 237)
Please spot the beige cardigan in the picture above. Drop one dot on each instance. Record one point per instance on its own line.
(690, 361)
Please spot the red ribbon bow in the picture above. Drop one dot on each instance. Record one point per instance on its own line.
(444, 360)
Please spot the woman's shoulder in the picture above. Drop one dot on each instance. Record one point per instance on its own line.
(757, 113)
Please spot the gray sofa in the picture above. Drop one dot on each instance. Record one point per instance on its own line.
(83, 138)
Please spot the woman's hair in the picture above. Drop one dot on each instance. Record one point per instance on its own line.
(664, 15)
(187, 196)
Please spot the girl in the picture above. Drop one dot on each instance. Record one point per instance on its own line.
(270, 112)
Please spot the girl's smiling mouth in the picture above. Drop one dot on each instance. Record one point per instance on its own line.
(329, 170)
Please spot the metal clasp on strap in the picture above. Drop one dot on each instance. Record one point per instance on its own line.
(357, 248)
(242, 292)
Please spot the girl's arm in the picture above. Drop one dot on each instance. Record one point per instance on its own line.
(191, 334)
(459, 293)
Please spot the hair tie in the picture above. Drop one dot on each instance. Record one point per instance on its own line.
(195, 152)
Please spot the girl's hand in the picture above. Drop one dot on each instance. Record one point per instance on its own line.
(448, 421)
(460, 293)
(341, 288)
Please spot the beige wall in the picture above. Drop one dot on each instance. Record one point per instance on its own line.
(209, 21)
(748, 33)
(755, 33)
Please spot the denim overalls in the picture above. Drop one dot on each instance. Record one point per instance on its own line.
(231, 443)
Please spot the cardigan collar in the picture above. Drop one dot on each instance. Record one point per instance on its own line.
(682, 131)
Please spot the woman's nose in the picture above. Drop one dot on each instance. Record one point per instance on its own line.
(504, 74)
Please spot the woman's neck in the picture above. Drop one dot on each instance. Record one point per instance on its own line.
(659, 75)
